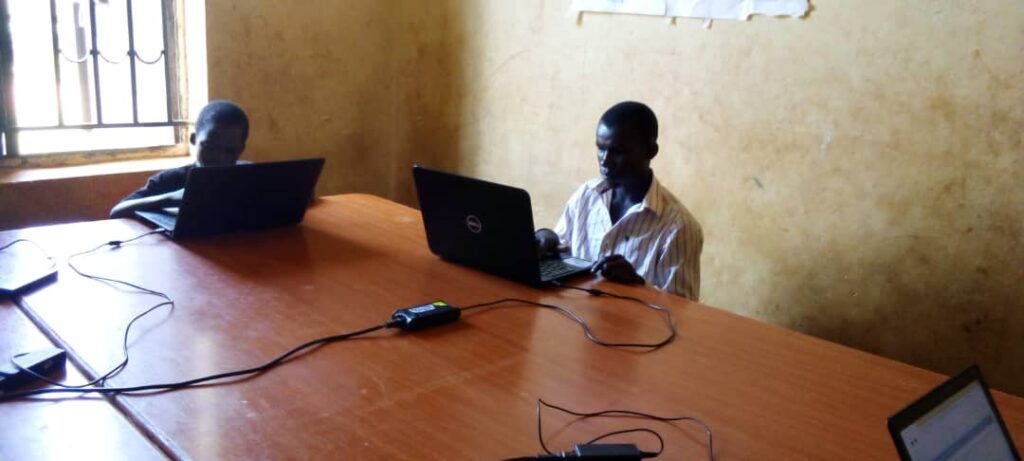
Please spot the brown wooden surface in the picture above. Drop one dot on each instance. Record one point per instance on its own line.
(463, 391)
(55, 428)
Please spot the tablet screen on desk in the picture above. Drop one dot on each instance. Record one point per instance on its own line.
(956, 421)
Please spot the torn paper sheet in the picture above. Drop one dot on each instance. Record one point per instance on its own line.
(650, 7)
(702, 9)
(734, 9)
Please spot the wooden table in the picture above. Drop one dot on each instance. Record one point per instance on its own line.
(57, 428)
(462, 391)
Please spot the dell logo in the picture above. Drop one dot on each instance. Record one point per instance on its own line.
(473, 224)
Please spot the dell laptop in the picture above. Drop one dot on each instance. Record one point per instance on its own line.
(955, 421)
(486, 226)
(222, 199)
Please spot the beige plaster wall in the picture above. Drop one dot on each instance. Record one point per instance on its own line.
(362, 83)
(858, 173)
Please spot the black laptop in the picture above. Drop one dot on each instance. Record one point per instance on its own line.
(955, 421)
(221, 199)
(486, 226)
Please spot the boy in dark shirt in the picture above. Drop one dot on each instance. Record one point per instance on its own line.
(219, 139)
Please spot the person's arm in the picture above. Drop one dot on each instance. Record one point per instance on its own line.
(680, 262)
(551, 242)
(127, 207)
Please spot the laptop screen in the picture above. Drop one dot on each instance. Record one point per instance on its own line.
(963, 427)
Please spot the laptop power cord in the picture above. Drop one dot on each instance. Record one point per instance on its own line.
(410, 319)
(592, 450)
(595, 452)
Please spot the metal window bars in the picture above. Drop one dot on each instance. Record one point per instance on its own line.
(8, 121)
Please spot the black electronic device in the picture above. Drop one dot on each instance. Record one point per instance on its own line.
(45, 362)
(487, 226)
(955, 421)
(594, 452)
(23, 267)
(424, 316)
(222, 199)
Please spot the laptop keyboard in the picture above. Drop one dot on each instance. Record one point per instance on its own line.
(553, 268)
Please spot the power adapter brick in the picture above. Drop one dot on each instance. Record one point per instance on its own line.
(46, 361)
(595, 452)
(424, 316)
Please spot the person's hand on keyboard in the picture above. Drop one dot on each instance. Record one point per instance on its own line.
(547, 243)
(617, 269)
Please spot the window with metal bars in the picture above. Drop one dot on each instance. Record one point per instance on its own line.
(90, 75)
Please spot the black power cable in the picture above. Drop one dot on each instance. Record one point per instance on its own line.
(204, 379)
(53, 263)
(102, 379)
(669, 320)
(627, 414)
(83, 389)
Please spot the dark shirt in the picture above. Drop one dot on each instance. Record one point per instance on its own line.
(162, 183)
(167, 181)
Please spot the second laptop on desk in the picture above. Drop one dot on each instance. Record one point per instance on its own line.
(220, 199)
(486, 226)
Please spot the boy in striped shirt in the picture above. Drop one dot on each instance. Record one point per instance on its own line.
(629, 223)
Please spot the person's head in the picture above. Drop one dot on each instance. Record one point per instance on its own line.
(221, 131)
(627, 140)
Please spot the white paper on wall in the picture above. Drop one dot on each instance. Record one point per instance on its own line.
(704, 9)
(650, 7)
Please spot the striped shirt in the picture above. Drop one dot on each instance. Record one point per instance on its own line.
(658, 236)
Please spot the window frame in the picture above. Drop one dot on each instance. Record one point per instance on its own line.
(175, 72)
